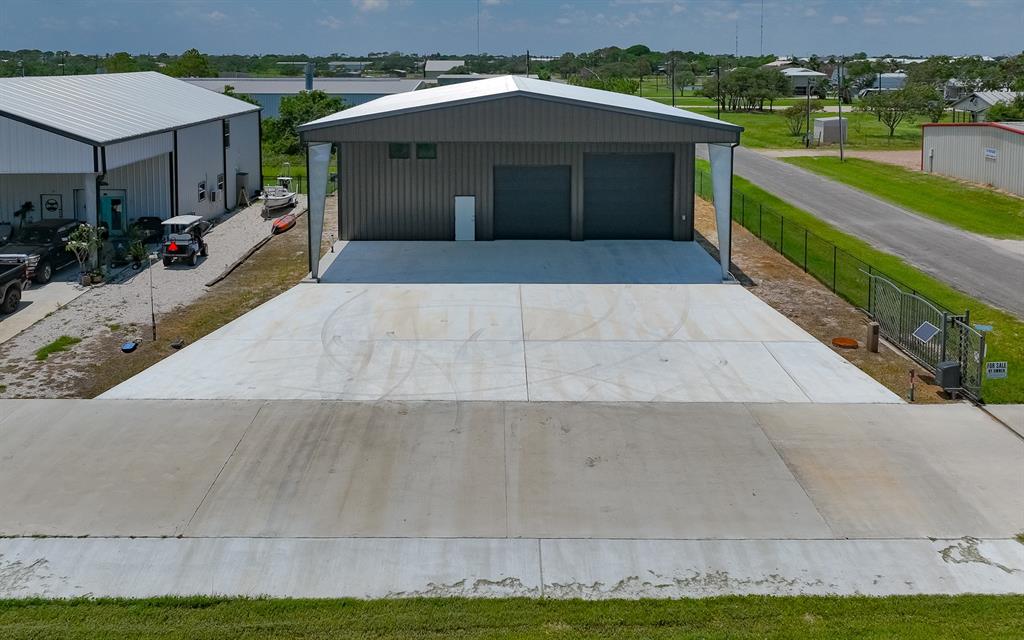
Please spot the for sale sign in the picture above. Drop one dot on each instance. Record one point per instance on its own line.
(995, 370)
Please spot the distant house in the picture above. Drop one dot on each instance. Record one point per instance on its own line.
(434, 68)
(456, 78)
(882, 82)
(108, 149)
(781, 63)
(977, 104)
(269, 91)
(348, 67)
(803, 80)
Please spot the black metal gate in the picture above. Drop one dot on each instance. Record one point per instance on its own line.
(928, 334)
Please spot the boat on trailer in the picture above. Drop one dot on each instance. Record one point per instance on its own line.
(280, 195)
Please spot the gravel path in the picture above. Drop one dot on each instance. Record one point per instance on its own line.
(908, 158)
(125, 300)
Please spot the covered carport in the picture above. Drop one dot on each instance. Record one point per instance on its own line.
(513, 158)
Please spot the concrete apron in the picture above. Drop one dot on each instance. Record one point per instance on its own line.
(589, 569)
(113, 498)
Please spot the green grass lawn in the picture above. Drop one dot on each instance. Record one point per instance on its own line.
(910, 617)
(1005, 342)
(975, 209)
(768, 130)
(62, 343)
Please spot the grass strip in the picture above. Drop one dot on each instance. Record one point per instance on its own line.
(62, 343)
(976, 209)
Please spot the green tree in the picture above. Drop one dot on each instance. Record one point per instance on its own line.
(797, 116)
(120, 62)
(229, 91)
(1012, 111)
(893, 107)
(281, 134)
(191, 64)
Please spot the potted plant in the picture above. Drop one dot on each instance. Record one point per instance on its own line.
(137, 252)
(83, 242)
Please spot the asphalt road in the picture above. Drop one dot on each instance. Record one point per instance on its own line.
(988, 269)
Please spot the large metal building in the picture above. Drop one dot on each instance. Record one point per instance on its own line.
(108, 149)
(268, 92)
(517, 158)
(984, 152)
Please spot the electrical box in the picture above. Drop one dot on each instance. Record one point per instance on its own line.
(947, 375)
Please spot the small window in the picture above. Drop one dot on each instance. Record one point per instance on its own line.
(220, 182)
(202, 191)
(398, 150)
(227, 133)
(426, 151)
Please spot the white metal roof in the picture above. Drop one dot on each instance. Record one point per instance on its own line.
(802, 73)
(989, 98)
(502, 86)
(101, 109)
(333, 86)
(443, 65)
(181, 220)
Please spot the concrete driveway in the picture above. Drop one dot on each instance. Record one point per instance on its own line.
(38, 301)
(542, 321)
(592, 500)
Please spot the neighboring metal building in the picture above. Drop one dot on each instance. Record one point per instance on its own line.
(269, 91)
(112, 148)
(530, 159)
(456, 78)
(985, 152)
(977, 104)
(434, 68)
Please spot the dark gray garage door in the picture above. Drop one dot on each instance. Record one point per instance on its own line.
(532, 203)
(627, 196)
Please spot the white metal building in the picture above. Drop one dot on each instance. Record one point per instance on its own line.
(803, 79)
(984, 152)
(269, 91)
(112, 148)
(434, 68)
(977, 104)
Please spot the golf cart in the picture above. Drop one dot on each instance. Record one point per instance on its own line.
(183, 239)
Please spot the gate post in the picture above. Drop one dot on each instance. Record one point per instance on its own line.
(945, 329)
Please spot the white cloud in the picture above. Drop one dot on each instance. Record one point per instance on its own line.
(371, 5)
(840, 19)
(677, 8)
(214, 16)
(491, 3)
(330, 22)
(872, 20)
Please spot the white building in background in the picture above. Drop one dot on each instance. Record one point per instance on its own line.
(111, 148)
(434, 68)
(268, 92)
(989, 153)
(977, 104)
(803, 79)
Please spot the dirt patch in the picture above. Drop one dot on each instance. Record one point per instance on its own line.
(808, 303)
(96, 363)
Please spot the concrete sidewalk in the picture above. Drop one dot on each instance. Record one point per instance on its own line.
(481, 498)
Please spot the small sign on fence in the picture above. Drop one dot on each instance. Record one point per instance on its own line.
(991, 153)
(995, 370)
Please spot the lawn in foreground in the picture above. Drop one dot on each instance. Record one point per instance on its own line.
(913, 617)
(975, 209)
(1005, 342)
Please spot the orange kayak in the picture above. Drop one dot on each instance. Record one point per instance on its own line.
(283, 223)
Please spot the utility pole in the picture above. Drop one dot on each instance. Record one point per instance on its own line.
(807, 133)
(762, 27)
(478, 27)
(718, 85)
(842, 123)
(673, 87)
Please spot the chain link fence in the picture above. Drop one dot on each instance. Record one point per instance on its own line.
(855, 280)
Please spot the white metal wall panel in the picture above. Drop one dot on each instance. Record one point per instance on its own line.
(16, 189)
(959, 152)
(200, 158)
(384, 199)
(147, 186)
(28, 149)
(244, 155)
(131, 151)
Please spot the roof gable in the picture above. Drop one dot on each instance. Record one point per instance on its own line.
(106, 108)
(508, 86)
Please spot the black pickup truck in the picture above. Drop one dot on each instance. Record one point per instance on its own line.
(41, 247)
(12, 281)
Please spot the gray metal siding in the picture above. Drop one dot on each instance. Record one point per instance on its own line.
(243, 155)
(200, 157)
(383, 199)
(521, 119)
(147, 187)
(28, 149)
(959, 152)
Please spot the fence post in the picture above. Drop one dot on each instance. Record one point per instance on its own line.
(760, 212)
(700, 174)
(782, 236)
(945, 328)
(805, 250)
(871, 289)
(834, 274)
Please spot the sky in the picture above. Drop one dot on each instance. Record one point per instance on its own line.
(544, 27)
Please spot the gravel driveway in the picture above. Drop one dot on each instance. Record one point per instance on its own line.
(125, 299)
